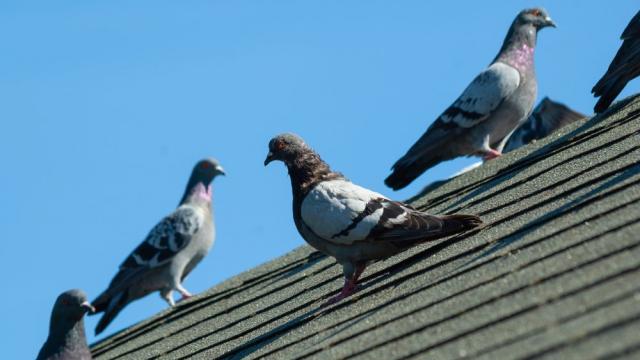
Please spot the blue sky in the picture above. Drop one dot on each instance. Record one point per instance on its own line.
(106, 106)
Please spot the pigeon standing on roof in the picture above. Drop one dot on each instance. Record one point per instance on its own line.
(353, 224)
(66, 340)
(170, 251)
(496, 102)
(546, 118)
(624, 67)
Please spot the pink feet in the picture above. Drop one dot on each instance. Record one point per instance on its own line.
(349, 288)
(491, 154)
(185, 294)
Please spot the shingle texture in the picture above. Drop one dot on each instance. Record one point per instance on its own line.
(554, 274)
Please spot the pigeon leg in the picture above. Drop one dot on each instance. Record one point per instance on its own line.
(350, 285)
(167, 295)
(185, 294)
(491, 154)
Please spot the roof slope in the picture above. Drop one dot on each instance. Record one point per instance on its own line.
(554, 274)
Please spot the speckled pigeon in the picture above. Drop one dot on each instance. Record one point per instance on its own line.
(546, 118)
(170, 251)
(496, 102)
(66, 340)
(353, 224)
(624, 67)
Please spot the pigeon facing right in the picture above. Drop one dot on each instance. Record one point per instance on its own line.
(547, 117)
(481, 120)
(624, 67)
(67, 340)
(169, 253)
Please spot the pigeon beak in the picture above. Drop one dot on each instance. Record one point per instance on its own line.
(268, 159)
(220, 170)
(549, 22)
(88, 307)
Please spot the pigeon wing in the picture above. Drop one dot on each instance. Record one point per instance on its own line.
(343, 213)
(164, 241)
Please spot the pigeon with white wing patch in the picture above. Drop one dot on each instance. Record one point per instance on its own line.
(481, 120)
(170, 251)
(353, 224)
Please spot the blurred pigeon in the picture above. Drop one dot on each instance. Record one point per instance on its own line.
(353, 224)
(170, 251)
(547, 117)
(496, 102)
(624, 67)
(66, 340)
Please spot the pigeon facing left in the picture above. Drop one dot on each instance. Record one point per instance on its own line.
(170, 251)
(481, 120)
(353, 224)
(67, 340)
(624, 67)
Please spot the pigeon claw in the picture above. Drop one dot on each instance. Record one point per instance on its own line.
(491, 154)
(349, 288)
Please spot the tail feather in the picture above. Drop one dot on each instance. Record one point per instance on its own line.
(608, 91)
(111, 306)
(459, 222)
(404, 172)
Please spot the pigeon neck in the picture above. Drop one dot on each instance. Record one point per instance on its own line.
(518, 47)
(306, 171)
(66, 333)
(198, 193)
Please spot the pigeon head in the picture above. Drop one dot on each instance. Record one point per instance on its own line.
(538, 17)
(286, 148)
(70, 306)
(199, 185)
(207, 169)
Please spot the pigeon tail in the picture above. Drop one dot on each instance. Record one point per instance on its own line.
(457, 223)
(404, 172)
(608, 90)
(111, 306)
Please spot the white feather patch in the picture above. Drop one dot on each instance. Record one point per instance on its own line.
(330, 208)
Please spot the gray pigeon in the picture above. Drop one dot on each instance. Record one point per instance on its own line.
(546, 118)
(624, 67)
(170, 251)
(353, 224)
(66, 340)
(496, 102)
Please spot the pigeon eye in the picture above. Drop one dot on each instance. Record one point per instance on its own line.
(64, 302)
(280, 145)
(205, 165)
(535, 13)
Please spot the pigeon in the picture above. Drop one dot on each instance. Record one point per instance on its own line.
(496, 102)
(348, 222)
(66, 340)
(170, 251)
(624, 67)
(547, 117)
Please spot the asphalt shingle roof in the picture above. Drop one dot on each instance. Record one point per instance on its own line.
(556, 273)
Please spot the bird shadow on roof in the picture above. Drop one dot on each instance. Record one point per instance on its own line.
(368, 284)
(312, 259)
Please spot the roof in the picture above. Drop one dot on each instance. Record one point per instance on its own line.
(554, 273)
